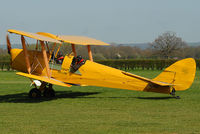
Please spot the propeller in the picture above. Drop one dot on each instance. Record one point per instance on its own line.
(8, 44)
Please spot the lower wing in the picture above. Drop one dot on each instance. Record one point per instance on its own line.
(45, 79)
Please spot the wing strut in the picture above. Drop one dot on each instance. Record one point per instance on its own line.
(26, 54)
(74, 50)
(58, 50)
(45, 58)
(89, 53)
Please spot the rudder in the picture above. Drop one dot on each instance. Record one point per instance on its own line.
(181, 74)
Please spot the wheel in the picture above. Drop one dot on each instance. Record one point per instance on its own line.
(173, 92)
(34, 93)
(49, 92)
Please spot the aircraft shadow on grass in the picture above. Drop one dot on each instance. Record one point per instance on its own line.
(155, 98)
(23, 97)
(145, 98)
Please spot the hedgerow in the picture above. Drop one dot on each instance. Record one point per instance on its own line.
(141, 64)
(5, 66)
(123, 64)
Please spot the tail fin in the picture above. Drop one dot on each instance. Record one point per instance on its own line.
(181, 74)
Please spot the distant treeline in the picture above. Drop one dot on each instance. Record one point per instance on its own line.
(124, 52)
(123, 64)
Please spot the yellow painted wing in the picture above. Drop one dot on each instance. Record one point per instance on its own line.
(77, 40)
(33, 35)
(81, 40)
(45, 79)
(49, 35)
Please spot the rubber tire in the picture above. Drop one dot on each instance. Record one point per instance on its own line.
(49, 93)
(34, 93)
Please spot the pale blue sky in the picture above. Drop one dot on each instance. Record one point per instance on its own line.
(120, 21)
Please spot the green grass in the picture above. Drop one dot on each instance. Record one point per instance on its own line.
(96, 110)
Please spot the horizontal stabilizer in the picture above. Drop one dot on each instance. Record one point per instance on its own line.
(160, 83)
(45, 79)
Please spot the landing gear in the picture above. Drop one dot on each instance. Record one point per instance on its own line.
(34, 93)
(49, 92)
(174, 95)
(45, 89)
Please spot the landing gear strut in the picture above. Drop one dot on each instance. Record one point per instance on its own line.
(174, 95)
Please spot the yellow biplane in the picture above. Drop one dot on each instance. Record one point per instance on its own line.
(36, 64)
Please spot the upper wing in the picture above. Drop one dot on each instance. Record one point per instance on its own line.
(45, 79)
(33, 35)
(77, 40)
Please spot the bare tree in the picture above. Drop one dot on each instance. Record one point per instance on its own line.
(167, 44)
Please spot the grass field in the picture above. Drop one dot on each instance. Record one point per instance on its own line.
(96, 110)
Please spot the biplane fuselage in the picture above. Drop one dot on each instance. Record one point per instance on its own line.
(97, 76)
